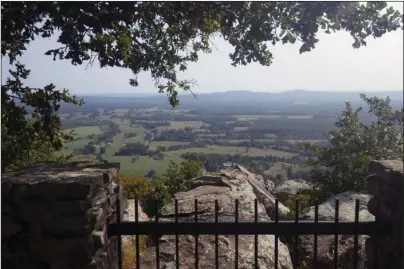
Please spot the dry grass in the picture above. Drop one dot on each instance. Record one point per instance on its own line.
(129, 252)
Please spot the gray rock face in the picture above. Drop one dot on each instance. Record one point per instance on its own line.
(326, 210)
(225, 187)
(269, 185)
(261, 192)
(325, 251)
(129, 215)
(289, 188)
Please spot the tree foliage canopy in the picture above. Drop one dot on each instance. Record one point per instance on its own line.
(355, 143)
(161, 38)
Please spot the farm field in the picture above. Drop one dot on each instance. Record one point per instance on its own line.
(184, 124)
(305, 140)
(280, 168)
(88, 146)
(84, 131)
(237, 141)
(155, 144)
(234, 150)
(76, 144)
(256, 117)
(142, 164)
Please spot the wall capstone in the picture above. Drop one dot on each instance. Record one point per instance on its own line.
(386, 184)
(56, 216)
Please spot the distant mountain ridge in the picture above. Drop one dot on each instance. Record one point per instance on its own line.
(397, 93)
(236, 97)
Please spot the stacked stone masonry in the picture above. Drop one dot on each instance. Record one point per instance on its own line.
(56, 216)
(386, 185)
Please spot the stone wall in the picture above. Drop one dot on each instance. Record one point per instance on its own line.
(387, 204)
(56, 216)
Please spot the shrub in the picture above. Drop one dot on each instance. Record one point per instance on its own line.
(135, 188)
(305, 201)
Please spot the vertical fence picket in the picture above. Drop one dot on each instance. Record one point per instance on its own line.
(119, 238)
(255, 228)
(276, 235)
(137, 236)
(196, 236)
(216, 235)
(355, 258)
(315, 236)
(236, 237)
(177, 254)
(295, 249)
(256, 234)
(377, 219)
(336, 220)
(157, 237)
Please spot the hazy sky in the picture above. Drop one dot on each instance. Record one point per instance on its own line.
(333, 65)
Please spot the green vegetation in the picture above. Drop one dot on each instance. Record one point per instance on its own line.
(161, 46)
(135, 188)
(175, 179)
(156, 144)
(184, 124)
(233, 151)
(161, 188)
(140, 165)
(355, 143)
(256, 117)
(84, 131)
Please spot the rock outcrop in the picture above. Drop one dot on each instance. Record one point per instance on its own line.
(386, 185)
(325, 251)
(225, 187)
(130, 215)
(289, 188)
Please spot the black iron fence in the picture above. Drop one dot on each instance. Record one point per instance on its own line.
(276, 227)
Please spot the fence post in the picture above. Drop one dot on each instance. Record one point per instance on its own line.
(386, 185)
(56, 216)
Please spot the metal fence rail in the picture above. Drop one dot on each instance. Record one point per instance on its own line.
(276, 227)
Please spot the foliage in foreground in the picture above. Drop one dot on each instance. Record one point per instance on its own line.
(160, 37)
(135, 188)
(354, 144)
(161, 189)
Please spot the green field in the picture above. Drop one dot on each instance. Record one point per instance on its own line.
(84, 131)
(212, 135)
(305, 140)
(256, 117)
(70, 146)
(121, 110)
(236, 141)
(142, 165)
(240, 129)
(120, 140)
(155, 144)
(302, 117)
(278, 169)
(183, 124)
(233, 150)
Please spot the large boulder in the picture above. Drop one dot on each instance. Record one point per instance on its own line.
(289, 188)
(325, 250)
(225, 187)
(260, 190)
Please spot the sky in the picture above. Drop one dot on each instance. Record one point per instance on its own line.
(332, 66)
